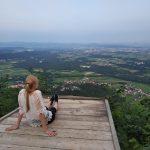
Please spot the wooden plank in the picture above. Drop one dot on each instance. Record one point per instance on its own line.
(80, 118)
(12, 112)
(79, 97)
(79, 112)
(100, 118)
(63, 101)
(60, 124)
(55, 142)
(113, 130)
(16, 147)
(83, 118)
(12, 120)
(65, 133)
(71, 101)
(76, 105)
(82, 108)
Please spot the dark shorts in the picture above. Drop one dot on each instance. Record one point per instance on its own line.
(53, 110)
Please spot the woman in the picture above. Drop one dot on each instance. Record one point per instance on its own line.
(31, 104)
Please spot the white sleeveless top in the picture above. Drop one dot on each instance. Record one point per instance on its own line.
(36, 107)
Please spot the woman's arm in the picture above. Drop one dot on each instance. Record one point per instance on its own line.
(15, 126)
(41, 113)
(20, 114)
(44, 125)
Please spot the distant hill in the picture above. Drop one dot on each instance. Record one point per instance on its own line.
(66, 45)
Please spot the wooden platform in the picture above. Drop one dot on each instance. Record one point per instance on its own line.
(81, 123)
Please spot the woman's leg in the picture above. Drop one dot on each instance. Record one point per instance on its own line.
(56, 105)
(53, 107)
(53, 102)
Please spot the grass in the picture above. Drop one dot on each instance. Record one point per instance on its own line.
(59, 77)
(14, 72)
(61, 80)
(69, 57)
(8, 69)
(107, 79)
(5, 66)
(68, 74)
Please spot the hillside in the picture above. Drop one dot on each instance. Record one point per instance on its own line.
(121, 75)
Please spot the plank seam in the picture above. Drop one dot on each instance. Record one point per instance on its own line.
(69, 137)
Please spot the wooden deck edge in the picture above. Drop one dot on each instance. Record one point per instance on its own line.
(7, 115)
(77, 97)
(113, 130)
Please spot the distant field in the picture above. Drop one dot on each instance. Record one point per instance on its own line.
(75, 75)
(144, 87)
(5, 66)
(8, 69)
(107, 79)
(60, 77)
(110, 65)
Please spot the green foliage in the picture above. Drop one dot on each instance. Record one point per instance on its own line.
(3, 81)
(146, 102)
(8, 100)
(132, 121)
(86, 89)
(45, 82)
(8, 96)
(134, 145)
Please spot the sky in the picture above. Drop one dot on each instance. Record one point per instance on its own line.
(75, 21)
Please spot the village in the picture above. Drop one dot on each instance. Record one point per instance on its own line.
(129, 89)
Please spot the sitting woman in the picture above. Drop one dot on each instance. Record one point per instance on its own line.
(31, 104)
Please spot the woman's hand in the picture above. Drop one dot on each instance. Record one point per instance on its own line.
(16, 126)
(51, 133)
(44, 125)
(13, 127)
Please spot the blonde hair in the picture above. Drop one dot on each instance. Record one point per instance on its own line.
(31, 84)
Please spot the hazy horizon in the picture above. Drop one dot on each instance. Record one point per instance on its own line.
(75, 21)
